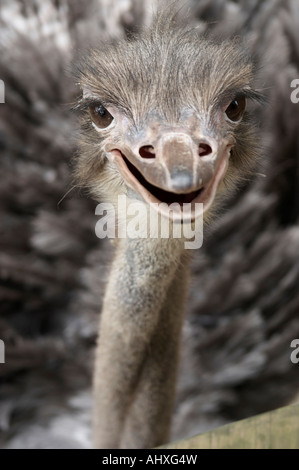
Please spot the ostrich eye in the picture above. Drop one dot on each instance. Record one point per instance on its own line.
(236, 109)
(100, 116)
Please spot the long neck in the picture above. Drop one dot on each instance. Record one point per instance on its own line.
(138, 351)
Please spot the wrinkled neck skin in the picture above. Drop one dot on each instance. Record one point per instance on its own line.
(138, 352)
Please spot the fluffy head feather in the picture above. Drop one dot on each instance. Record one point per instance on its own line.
(157, 80)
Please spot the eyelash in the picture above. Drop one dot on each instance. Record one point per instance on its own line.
(85, 104)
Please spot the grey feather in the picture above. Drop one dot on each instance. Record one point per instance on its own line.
(244, 302)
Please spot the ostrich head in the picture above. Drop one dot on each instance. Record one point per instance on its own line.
(164, 117)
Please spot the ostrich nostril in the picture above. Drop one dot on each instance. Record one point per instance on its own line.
(147, 151)
(204, 150)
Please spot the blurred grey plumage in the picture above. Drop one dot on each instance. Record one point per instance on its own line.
(243, 307)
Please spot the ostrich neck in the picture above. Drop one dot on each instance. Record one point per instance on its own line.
(138, 351)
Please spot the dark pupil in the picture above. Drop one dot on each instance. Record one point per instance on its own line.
(100, 110)
(236, 108)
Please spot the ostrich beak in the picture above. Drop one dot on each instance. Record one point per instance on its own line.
(178, 170)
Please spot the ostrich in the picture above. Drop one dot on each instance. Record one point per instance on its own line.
(164, 120)
(242, 310)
